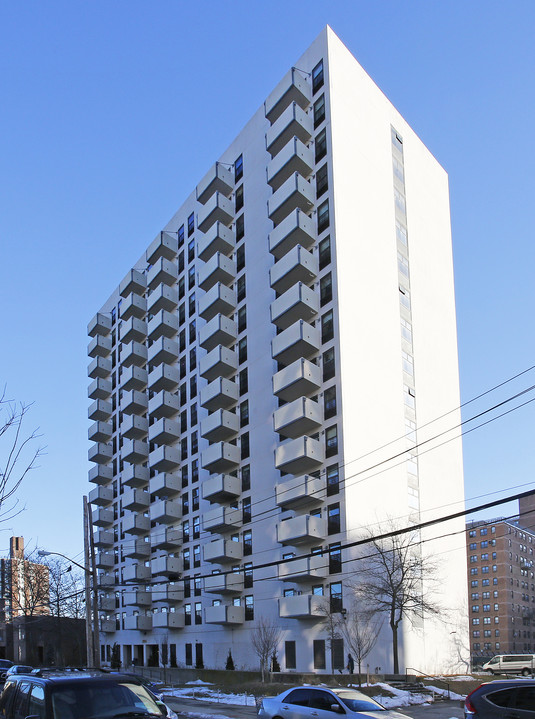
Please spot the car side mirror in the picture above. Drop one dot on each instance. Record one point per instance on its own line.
(337, 708)
(161, 706)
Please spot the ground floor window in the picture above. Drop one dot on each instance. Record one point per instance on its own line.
(338, 653)
(289, 655)
(188, 660)
(319, 653)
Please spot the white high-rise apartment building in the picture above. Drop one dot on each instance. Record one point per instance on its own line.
(289, 331)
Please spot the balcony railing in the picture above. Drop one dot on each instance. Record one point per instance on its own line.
(99, 325)
(163, 324)
(219, 238)
(299, 302)
(302, 416)
(223, 551)
(296, 229)
(100, 410)
(293, 157)
(298, 456)
(163, 272)
(302, 606)
(164, 245)
(224, 583)
(219, 268)
(133, 330)
(294, 87)
(224, 614)
(220, 362)
(217, 209)
(133, 282)
(164, 377)
(133, 378)
(299, 340)
(297, 265)
(303, 529)
(99, 367)
(165, 486)
(298, 492)
(221, 488)
(220, 457)
(220, 425)
(162, 298)
(221, 393)
(295, 193)
(218, 179)
(293, 122)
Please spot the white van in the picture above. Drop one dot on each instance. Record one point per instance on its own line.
(511, 664)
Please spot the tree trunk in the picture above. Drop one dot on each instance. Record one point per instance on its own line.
(395, 647)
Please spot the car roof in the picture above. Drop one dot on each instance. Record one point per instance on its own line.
(506, 683)
(58, 676)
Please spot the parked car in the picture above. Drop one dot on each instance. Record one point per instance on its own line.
(296, 704)
(502, 698)
(511, 664)
(19, 669)
(4, 666)
(75, 695)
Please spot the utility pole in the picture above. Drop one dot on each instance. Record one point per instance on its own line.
(93, 567)
(89, 626)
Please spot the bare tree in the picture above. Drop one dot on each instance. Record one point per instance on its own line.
(66, 588)
(360, 629)
(332, 623)
(265, 639)
(392, 580)
(29, 587)
(18, 453)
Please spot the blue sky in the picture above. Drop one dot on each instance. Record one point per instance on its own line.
(112, 112)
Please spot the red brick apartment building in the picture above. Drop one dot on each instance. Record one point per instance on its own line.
(501, 584)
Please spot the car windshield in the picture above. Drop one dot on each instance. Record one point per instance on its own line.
(494, 660)
(357, 702)
(92, 700)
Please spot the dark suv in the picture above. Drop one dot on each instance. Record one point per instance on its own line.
(76, 695)
(503, 698)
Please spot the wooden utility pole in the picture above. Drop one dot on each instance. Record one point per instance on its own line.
(89, 627)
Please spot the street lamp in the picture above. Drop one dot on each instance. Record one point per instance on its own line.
(91, 609)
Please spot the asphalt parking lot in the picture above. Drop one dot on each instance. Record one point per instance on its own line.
(197, 707)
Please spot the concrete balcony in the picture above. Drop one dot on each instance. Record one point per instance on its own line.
(220, 425)
(168, 620)
(220, 362)
(303, 529)
(99, 389)
(163, 324)
(302, 606)
(164, 431)
(293, 157)
(217, 209)
(136, 524)
(168, 593)
(140, 598)
(219, 299)
(137, 549)
(108, 626)
(167, 538)
(99, 367)
(100, 410)
(135, 476)
(102, 538)
(106, 581)
(224, 583)
(133, 282)
(100, 324)
(220, 457)
(298, 340)
(221, 519)
(219, 268)
(298, 265)
(133, 353)
(166, 511)
(293, 122)
(101, 496)
(223, 614)
(299, 456)
(221, 488)
(136, 500)
(100, 474)
(223, 551)
(164, 245)
(100, 453)
(301, 378)
(133, 330)
(140, 622)
(164, 377)
(99, 346)
(297, 303)
(163, 351)
(102, 517)
(218, 238)
(296, 229)
(166, 567)
(165, 486)
(136, 573)
(292, 88)
(295, 193)
(306, 569)
(107, 604)
(135, 451)
(164, 404)
(133, 306)
(221, 393)
(100, 432)
(134, 427)
(218, 179)
(220, 330)
(103, 560)
(162, 298)
(299, 492)
(163, 272)
(164, 459)
(302, 416)
(133, 378)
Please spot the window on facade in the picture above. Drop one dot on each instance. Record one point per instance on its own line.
(196, 527)
(240, 228)
(184, 449)
(332, 480)
(243, 382)
(185, 503)
(191, 278)
(289, 655)
(186, 560)
(191, 224)
(238, 199)
(335, 558)
(191, 305)
(191, 250)
(187, 615)
(320, 145)
(248, 575)
(319, 111)
(329, 402)
(184, 473)
(181, 235)
(319, 653)
(182, 314)
(194, 443)
(192, 332)
(336, 597)
(323, 216)
(245, 478)
(238, 168)
(240, 258)
(196, 556)
(192, 359)
(181, 262)
(244, 413)
(198, 613)
(249, 608)
(317, 77)
(240, 288)
(195, 470)
(322, 181)
(328, 364)
(326, 289)
(324, 249)
(193, 387)
(244, 445)
(181, 348)
(242, 320)
(327, 326)
(182, 362)
(247, 538)
(331, 441)
(333, 519)
(246, 510)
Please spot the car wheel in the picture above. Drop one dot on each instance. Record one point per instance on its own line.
(526, 672)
